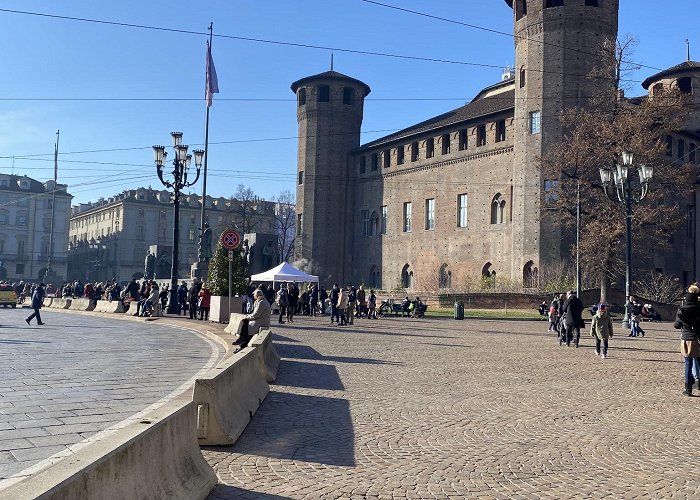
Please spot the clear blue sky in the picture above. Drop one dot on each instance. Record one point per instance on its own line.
(52, 59)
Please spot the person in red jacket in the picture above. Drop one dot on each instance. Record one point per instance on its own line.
(204, 302)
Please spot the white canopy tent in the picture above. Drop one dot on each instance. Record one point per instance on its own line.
(284, 272)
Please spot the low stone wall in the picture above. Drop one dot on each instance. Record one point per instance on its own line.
(267, 355)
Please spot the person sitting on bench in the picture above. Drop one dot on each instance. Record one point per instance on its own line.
(406, 307)
(253, 322)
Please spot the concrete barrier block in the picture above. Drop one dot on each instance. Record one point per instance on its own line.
(269, 360)
(228, 396)
(81, 305)
(235, 323)
(48, 301)
(60, 303)
(157, 457)
(105, 306)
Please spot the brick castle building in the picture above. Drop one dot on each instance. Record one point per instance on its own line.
(461, 194)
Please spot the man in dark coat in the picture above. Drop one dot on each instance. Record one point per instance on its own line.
(334, 301)
(37, 302)
(573, 308)
(688, 322)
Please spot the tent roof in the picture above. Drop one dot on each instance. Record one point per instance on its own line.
(285, 272)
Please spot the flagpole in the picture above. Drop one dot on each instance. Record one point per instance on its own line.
(206, 156)
(53, 204)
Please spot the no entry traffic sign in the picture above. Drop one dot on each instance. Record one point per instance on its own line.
(230, 239)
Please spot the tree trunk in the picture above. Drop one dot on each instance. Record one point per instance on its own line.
(604, 287)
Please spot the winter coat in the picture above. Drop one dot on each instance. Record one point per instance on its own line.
(361, 297)
(260, 317)
(688, 322)
(602, 325)
(182, 293)
(282, 298)
(204, 298)
(573, 308)
(38, 298)
(342, 300)
(334, 296)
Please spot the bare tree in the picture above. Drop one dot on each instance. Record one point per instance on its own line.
(244, 206)
(660, 287)
(594, 137)
(285, 224)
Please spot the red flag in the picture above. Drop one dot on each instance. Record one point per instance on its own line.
(212, 84)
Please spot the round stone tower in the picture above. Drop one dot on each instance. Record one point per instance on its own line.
(329, 113)
(558, 43)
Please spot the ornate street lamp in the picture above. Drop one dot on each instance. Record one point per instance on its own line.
(617, 184)
(181, 167)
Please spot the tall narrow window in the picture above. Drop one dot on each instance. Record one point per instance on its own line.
(463, 139)
(300, 223)
(301, 177)
(691, 153)
(500, 130)
(382, 221)
(373, 224)
(481, 135)
(302, 96)
(399, 155)
(535, 122)
(375, 161)
(445, 140)
(386, 158)
(498, 208)
(520, 9)
(348, 96)
(681, 150)
(430, 148)
(430, 214)
(685, 85)
(365, 223)
(21, 248)
(522, 77)
(324, 93)
(462, 210)
(407, 217)
(414, 151)
(363, 164)
(669, 145)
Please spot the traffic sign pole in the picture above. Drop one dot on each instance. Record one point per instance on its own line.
(230, 263)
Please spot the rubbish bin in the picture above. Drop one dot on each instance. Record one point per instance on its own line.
(459, 310)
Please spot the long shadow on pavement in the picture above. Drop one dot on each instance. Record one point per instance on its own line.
(224, 491)
(299, 427)
(309, 376)
(305, 352)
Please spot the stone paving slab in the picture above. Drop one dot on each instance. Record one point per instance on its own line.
(437, 408)
(78, 375)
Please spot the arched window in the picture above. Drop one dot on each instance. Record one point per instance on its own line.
(681, 149)
(530, 275)
(302, 96)
(445, 277)
(657, 90)
(374, 224)
(407, 277)
(498, 209)
(685, 85)
(488, 276)
(324, 93)
(522, 76)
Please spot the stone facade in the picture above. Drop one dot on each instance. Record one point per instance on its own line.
(110, 238)
(25, 228)
(460, 195)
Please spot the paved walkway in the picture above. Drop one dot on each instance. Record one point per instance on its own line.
(474, 409)
(79, 375)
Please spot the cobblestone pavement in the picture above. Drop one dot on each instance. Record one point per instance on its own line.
(466, 409)
(79, 375)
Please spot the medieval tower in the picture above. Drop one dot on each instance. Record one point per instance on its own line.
(558, 43)
(329, 113)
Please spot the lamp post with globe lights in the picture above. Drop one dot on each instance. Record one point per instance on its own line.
(617, 184)
(181, 168)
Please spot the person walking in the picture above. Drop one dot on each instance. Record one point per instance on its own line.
(688, 322)
(292, 301)
(573, 310)
(193, 298)
(181, 298)
(602, 330)
(372, 303)
(37, 302)
(352, 300)
(282, 302)
(313, 300)
(341, 306)
(361, 301)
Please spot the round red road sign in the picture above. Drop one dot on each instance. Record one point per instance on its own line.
(230, 239)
